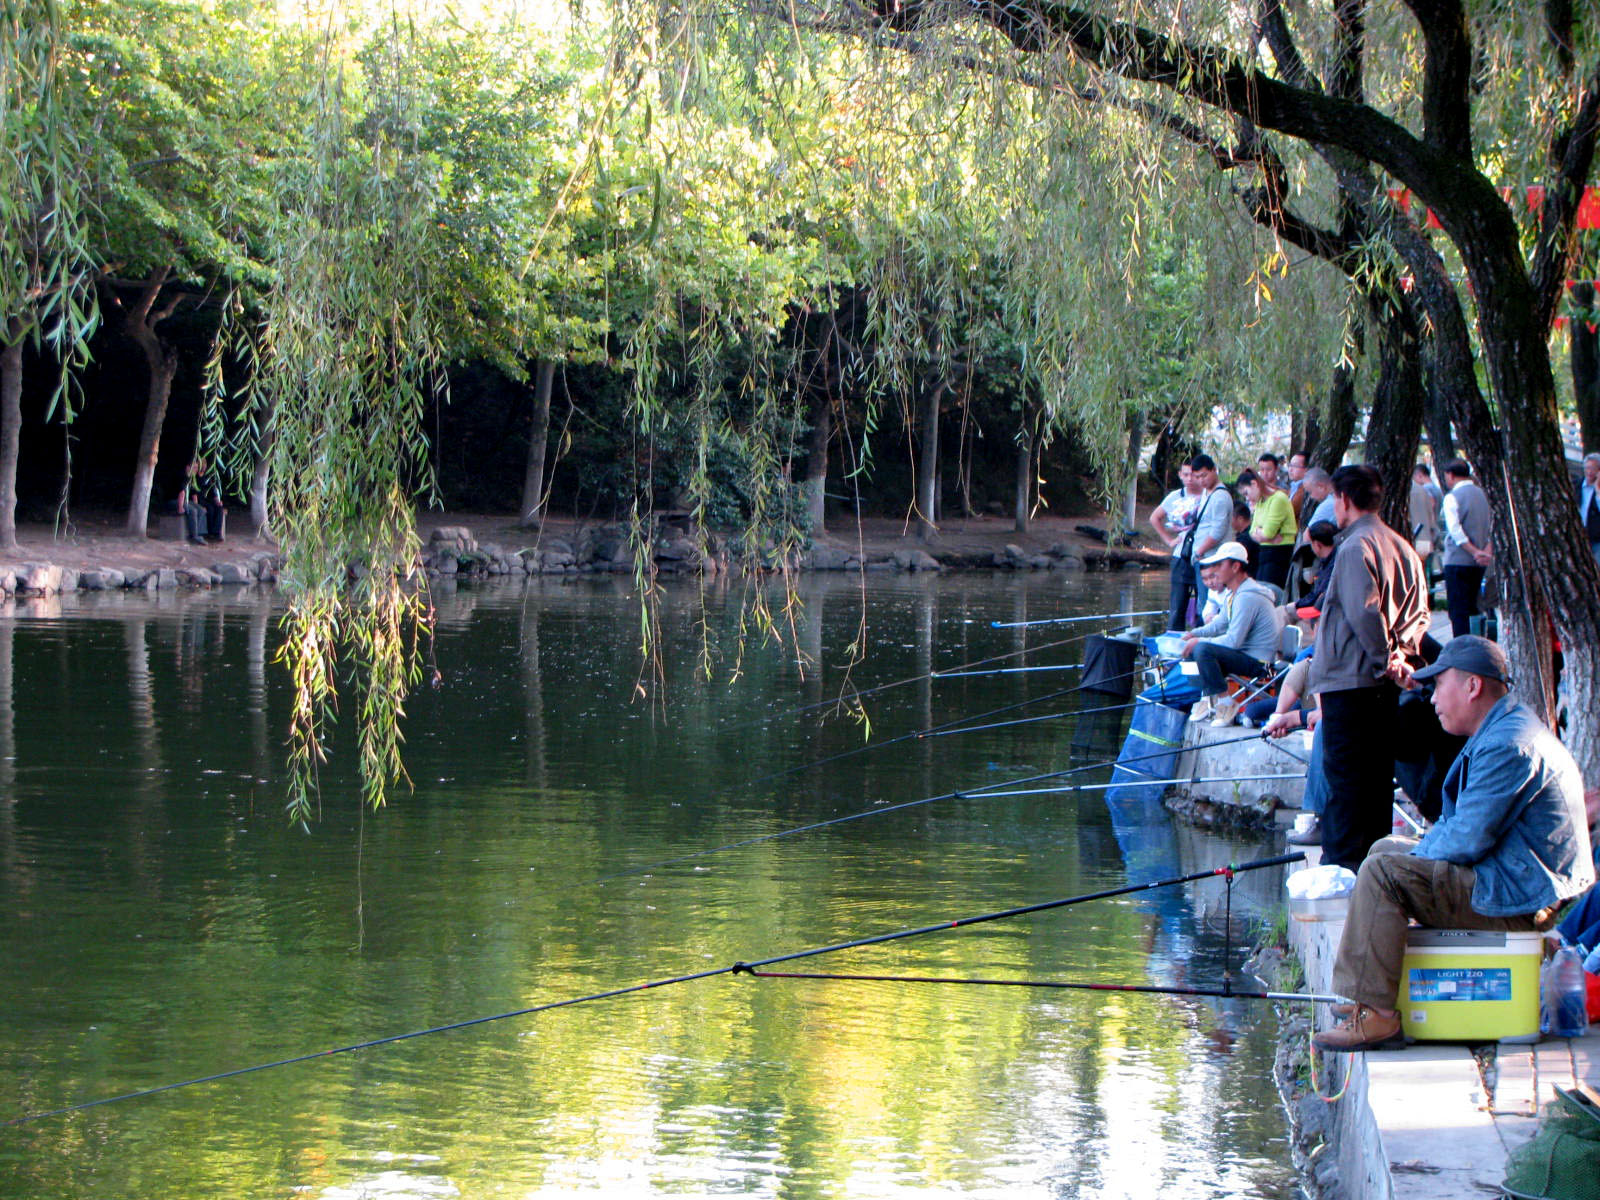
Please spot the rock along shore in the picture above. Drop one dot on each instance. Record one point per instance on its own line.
(105, 561)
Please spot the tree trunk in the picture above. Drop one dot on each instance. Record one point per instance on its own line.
(1394, 428)
(1436, 417)
(538, 441)
(1338, 422)
(1586, 366)
(163, 364)
(1130, 495)
(10, 431)
(928, 467)
(161, 361)
(261, 476)
(816, 486)
(1024, 494)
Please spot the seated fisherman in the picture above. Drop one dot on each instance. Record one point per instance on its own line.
(1243, 638)
(1511, 846)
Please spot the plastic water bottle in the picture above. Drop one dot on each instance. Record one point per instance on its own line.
(1562, 1008)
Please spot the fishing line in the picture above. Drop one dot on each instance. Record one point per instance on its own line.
(974, 793)
(738, 968)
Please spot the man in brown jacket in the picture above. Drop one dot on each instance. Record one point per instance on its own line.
(1374, 614)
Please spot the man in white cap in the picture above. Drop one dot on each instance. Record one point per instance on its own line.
(1510, 849)
(1242, 639)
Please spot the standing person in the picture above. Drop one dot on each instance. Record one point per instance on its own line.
(1424, 514)
(1267, 470)
(1172, 519)
(1241, 534)
(1297, 480)
(1272, 526)
(1510, 848)
(1213, 514)
(1466, 522)
(1422, 473)
(1374, 613)
(1589, 503)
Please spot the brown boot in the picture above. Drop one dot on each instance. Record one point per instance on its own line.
(1362, 1030)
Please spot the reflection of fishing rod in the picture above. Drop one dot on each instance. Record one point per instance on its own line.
(1225, 993)
(738, 968)
(1154, 612)
(977, 793)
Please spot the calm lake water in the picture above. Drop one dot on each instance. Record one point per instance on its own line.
(160, 921)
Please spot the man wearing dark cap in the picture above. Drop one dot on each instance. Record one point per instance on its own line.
(1510, 848)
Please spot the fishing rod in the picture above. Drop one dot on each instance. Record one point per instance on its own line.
(971, 793)
(883, 687)
(1225, 993)
(1154, 612)
(983, 790)
(1139, 782)
(737, 968)
(931, 731)
(1077, 712)
(1006, 671)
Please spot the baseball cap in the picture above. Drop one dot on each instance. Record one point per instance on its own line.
(1308, 613)
(1473, 654)
(1223, 553)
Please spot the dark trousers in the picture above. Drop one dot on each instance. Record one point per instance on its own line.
(1216, 661)
(1182, 591)
(1274, 568)
(1358, 729)
(1461, 588)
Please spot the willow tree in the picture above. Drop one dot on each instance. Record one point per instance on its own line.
(45, 256)
(348, 356)
(1452, 101)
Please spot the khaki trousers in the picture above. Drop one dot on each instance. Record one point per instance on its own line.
(1394, 887)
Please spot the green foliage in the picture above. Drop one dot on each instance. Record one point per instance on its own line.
(45, 293)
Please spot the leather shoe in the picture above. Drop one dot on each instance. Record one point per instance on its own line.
(1361, 1030)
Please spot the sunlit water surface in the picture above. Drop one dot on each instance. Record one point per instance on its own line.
(160, 921)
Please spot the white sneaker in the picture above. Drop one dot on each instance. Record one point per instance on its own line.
(1224, 711)
(1203, 708)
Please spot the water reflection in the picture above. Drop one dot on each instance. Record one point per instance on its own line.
(161, 922)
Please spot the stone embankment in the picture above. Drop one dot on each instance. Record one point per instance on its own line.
(454, 551)
(50, 579)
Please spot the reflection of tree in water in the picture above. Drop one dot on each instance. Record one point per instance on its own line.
(1193, 937)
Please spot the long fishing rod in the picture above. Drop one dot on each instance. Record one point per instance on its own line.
(878, 939)
(1006, 671)
(1141, 781)
(931, 731)
(971, 793)
(1169, 990)
(1154, 612)
(738, 968)
(884, 687)
(1077, 712)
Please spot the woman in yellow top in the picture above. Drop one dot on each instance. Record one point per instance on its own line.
(1272, 524)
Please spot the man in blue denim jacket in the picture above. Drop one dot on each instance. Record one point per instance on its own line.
(1511, 846)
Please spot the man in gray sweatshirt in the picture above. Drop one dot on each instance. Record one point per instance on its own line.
(1243, 639)
(1467, 552)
